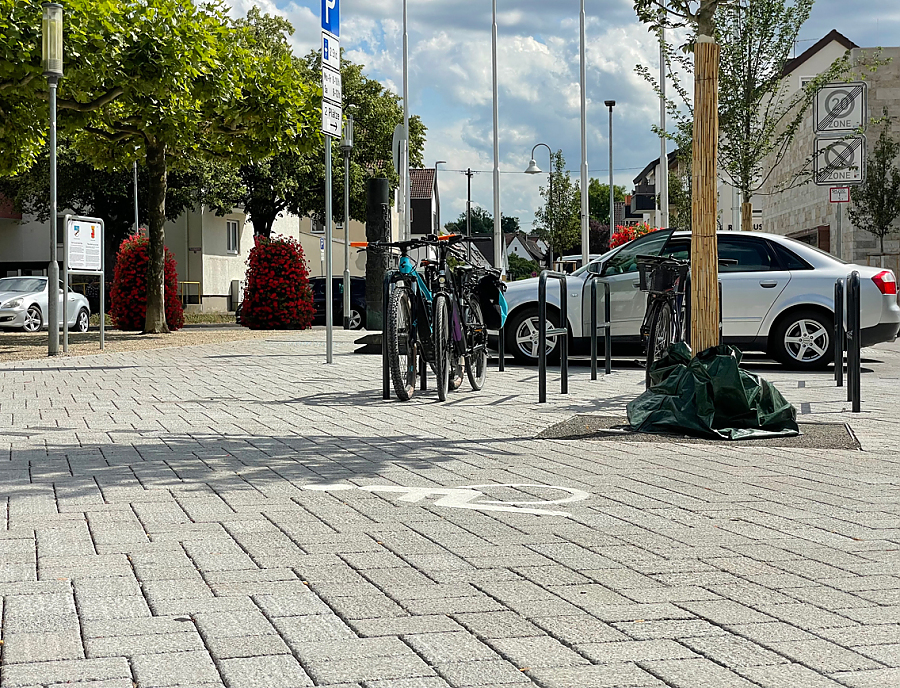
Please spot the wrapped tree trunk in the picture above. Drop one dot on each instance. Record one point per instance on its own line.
(378, 228)
(746, 216)
(155, 322)
(704, 252)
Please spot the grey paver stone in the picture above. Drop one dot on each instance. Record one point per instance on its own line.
(231, 647)
(282, 671)
(301, 604)
(39, 673)
(450, 647)
(498, 625)
(367, 668)
(131, 645)
(733, 651)
(233, 624)
(539, 651)
(20, 648)
(875, 678)
(402, 625)
(603, 676)
(174, 669)
(304, 629)
(634, 651)
(824, 656)
(579, 629)
(695, 673)
(794, 676)
(487, 673)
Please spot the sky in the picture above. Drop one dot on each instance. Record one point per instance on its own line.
(450, 82)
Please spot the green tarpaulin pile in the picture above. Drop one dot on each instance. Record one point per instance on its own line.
(710, 396)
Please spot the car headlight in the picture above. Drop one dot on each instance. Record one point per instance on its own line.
(12, 303)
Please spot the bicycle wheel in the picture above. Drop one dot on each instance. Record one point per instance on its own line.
(401, 343)
(661, 334)
(476, 345)
(442, 345)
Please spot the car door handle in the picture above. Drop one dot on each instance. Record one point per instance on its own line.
(636, 285)
(768, 284)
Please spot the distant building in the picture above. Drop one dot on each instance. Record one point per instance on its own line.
(527, 247)
(424, 201)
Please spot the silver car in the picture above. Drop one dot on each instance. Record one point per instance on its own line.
(23, 305)
(778, 298)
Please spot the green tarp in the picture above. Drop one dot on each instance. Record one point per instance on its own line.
(710, 396)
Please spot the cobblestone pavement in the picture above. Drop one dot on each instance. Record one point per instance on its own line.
(243, 515)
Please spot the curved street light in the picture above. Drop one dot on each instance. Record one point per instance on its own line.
(534, 169)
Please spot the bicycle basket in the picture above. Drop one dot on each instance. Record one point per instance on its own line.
(657, 277)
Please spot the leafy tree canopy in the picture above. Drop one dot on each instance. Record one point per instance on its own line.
(482, 223)
(558, 221)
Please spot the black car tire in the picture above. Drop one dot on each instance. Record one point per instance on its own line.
(34, 319)
(83, 321)
(524, 323)
(794, 336)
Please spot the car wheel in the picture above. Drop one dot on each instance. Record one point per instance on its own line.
(522, 336)
(83, 321)
(802, 340)
(34, 320)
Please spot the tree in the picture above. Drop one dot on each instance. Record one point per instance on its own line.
(521, 268)
(482, 221)
(174, 83)
(558, 221)
(598, 194)
(875, 204)
(700, 17)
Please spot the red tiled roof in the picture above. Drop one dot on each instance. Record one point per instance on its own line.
(421, 184)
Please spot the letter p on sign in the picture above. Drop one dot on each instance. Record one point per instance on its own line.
(331, 17)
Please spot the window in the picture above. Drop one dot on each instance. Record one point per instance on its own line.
(625, 260)
(234, 239)
(317, 225)
(789, 259)
(751, 255)
(804, 80)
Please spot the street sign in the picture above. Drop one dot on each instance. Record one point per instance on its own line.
(331, 52)
(331, 17)
(840, 161)
(331, 118)
(85, 244)
(321, 243)
(839, 194)
(841, 108)
(331, 85)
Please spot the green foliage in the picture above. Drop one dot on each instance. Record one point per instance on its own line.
(482, 223)
(698, 15)
(558, 221)
(875, 204)
(521, 268)
(598, 199)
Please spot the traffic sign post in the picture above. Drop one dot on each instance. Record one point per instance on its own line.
(839, 195)
(331, 126)
(840, 160)
(841, 108)
(83, 255)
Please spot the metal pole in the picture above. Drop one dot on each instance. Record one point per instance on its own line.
(607, 335)
(329, 233)
(839, 234)
(498, 233)
(550, 213)
(663, 155)
(839, 336)
(65, 294)
(385, 369)
(347, 239)
(593, 328)
(136, 221)
(406, 233)
(469, 210)
(585, 197)
(612, 198)
(563, 338)
(542, 338)
(53, 266)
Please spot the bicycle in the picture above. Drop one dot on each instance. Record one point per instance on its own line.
(664, 279)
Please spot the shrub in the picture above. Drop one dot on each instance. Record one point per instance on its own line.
(521, 268)
(277, 294)
(623, 235)
(128, 307)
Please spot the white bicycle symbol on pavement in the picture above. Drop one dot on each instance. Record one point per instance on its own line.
(469, 496)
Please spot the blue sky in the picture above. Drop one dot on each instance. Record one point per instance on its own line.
(450, 80)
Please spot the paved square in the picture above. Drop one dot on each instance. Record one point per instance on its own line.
(244, 515)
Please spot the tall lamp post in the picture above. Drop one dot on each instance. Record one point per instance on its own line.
(534, 169)
(612, 198)
(52, 58)
(346, 147)
(437, 188)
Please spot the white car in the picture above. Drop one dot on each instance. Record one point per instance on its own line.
(23, 305)
(778, 298)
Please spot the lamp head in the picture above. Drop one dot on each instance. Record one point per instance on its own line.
(533, 168)
(609, 103)
(52, 39)
(347, 140)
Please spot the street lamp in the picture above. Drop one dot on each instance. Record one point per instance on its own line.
(52, 59)
(346, 147)
(612, 199)
(534, 169)
(438, 204)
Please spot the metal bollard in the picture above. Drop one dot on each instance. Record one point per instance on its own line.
(854, 354)
(500, 350)
(606, 326)
(562, 333)
(839, 334)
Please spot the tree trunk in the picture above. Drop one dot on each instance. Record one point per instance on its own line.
(704, 253)
(746, 216)
(155, 322)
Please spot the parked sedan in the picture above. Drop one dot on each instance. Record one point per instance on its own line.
(357, 300)
(23, 305)
(778, 297)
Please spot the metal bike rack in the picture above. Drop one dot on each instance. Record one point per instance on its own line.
(607, 335)
(500, 349)
(839, 334)
(854, 355)
(543, 332)
(385, 367)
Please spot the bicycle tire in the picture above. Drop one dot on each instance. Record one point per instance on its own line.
(476, 345)
(442, 345)
(401, 343)
(661, 334)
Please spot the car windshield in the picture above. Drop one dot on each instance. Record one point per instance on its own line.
(583, 268)
(23, 285)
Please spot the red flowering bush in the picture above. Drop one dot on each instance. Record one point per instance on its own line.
(277, 294)
(129, 291)
(623, 235)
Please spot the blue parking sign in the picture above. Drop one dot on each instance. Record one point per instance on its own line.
(331, 17)
(321, 244)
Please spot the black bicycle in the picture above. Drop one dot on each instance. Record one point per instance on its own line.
(664, 279)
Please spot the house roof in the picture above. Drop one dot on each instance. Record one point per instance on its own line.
(652, 166)
(421, 184)
(528, 242)
(832, 36)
